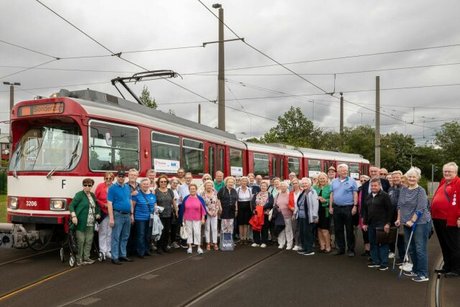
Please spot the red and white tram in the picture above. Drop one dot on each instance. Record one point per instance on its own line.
(61, 140)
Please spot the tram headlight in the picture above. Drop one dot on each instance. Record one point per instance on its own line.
(58, 204)
(13, 203)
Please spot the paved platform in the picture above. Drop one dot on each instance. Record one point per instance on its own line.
(246, 277)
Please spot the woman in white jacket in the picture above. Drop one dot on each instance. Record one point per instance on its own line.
(306, 213)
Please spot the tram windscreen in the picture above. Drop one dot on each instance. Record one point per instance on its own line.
(48, 148)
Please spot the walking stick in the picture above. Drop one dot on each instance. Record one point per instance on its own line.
(396, 249)
(406, 256)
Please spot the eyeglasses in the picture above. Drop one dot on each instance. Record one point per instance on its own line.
(121, 176)
(108, 178)
(88, 185)
(163, 181)
(383, 174)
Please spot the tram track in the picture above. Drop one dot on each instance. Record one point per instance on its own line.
(29, 256)
(216, 286)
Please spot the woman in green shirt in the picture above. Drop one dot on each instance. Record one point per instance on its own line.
(323, 189)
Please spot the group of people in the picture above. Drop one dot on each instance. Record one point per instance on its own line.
(295, 213)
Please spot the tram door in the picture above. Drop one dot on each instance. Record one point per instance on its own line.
(277, 166)
(216, 159)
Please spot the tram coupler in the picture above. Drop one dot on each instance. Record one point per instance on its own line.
(16, 236)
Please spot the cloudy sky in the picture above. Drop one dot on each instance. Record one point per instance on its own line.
(333, 46)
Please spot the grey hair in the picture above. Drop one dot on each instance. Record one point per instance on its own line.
(342, 165)
(414, 171)
(451, 164)
(306, 179)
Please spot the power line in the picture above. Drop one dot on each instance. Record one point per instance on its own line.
(72, 69)
(26, 69)
(28, 49)
(263, 53)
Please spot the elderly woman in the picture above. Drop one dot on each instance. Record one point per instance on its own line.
(323, 189)
(84, 212)
(143, 204)
(174, 185)
(165, 200)
(307, 214)
(228, 198)
(244, 208)
(261, 204)
(286, 236)
(205, 178)
(213, 208)
(413, 213)
(105, 231)
(293, 196)
(194, 212)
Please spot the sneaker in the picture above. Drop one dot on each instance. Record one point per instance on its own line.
(108, 255)
(289, 247)
(255, 245)
(189, 250)
(308, 253)
(80, 263)
(263, 245)
(296, 248)
(280, 246)
(391, 255)
(410, 274)
(88, 261)
(175, 245)
(199, 251)
(351, 254)
(420, 278)
(383, 268)
(373, 265)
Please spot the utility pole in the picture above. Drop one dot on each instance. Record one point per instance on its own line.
(341, 113)
(12, 84)
(221, 70)
(377, 121)
(199, 113)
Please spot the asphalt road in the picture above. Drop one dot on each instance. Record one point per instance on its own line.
(246, 277)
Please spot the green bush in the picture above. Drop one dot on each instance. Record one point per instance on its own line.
(3, 181)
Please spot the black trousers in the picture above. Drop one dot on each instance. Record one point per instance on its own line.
(164, 239)
(343, 221)
(449, 239)
(262, 236)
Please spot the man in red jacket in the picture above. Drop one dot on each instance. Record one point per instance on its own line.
(446, 219)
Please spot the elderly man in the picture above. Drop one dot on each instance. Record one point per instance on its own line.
(219, 181)
(374, 173)
(446, 219)
(377, 213)
(120, 217)
(151, 175)
(331, 173)
(343, 205)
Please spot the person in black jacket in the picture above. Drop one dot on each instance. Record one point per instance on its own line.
(377, 214)
(365, 189)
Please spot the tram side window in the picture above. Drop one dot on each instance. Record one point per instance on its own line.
(113, 147)
(236, 162)
(165, 147)
(354, 170)
(192, 156)
(314, 167)
(261, 164)
(294, 165)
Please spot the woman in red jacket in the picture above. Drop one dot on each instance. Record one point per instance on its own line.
(445, 212)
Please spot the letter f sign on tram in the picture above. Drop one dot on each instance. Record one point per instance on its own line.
(63, 183)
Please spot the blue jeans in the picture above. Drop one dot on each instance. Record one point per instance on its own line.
(418, 250)
(306, 235)
(143, 235)
(120, 234)
(379, 252)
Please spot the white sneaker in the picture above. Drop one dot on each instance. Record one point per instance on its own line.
(189, 250)
(263, 245)
(280, 246)
(406, 267)
(175, 245)
(199, 251)
(296, 248)
(391, 255)
(255, 245)
(289, 247)
(108, 255)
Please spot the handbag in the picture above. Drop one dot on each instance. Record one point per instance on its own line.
(386, 238)
(183, 232)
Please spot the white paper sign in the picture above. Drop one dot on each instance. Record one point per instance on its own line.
(166, 166)
(313, 174)
(236, 171)
(354, 175)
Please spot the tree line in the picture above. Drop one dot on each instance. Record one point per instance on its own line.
(398, 151)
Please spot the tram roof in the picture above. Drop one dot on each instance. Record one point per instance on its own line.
(98, 103)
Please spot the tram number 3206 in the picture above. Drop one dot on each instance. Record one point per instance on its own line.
(31, 203)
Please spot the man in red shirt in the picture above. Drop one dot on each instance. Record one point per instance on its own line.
(446, 219)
